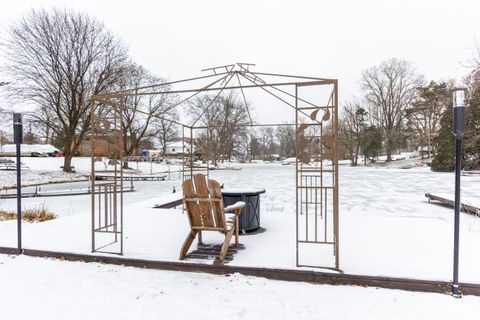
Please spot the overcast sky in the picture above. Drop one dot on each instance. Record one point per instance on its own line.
(334, 39)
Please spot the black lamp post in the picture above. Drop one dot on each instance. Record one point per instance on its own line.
(458, 129)
(18, 139)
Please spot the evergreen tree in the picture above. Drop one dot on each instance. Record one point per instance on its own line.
(471, 146)
(372, 142)
(425, 114)
(445, 158)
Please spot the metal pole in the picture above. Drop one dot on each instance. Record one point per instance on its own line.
(296, 178)
(458, 127)
(19, 200)
(336, 218)
(93, 128)
(17, 139)
(456, 236)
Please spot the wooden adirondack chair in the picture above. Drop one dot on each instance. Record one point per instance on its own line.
(204, 205)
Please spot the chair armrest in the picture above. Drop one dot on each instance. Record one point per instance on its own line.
(235, 206)
(203, 199)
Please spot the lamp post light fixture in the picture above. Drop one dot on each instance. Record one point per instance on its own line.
(458, 130)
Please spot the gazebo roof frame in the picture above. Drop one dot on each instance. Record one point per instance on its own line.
(224, 74)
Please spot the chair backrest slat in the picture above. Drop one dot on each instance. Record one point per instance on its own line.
(193, 210)
(201, 191)
(204, 203)
(217, 206)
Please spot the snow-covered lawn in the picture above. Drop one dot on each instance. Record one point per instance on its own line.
(37, 288)
(48, 169)
(8, 179)
(387, 227)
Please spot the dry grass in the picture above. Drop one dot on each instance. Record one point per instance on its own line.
(39, 214)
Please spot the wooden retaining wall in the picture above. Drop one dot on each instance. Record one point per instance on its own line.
(269, 273)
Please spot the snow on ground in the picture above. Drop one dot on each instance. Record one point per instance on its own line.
(75, 290)
(387, 226)
(48, 169)
(27, 149)
(43, 170)
(38, 171)
(8, 179)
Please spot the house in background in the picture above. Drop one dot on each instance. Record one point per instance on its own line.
(104, 146)
(178, 148)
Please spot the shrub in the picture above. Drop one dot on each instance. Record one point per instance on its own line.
(39, 214)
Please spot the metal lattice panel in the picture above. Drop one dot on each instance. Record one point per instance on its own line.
(107, 196)
(316, 181)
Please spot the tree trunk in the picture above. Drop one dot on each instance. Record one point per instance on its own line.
(47, 134)
(356, 154)
(429, 147)
(214, 159)
(388, 149)
(67, 161)
(164, 143)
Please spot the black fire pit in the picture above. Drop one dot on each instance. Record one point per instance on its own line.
(250, 217)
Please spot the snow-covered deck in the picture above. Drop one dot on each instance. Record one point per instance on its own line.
(387, 227)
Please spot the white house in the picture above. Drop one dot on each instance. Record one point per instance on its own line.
(175, 148)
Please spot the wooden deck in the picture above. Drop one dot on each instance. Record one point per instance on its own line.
(211, 252)
(133, 177)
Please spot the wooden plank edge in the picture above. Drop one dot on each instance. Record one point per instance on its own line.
(316, 277)
(464, 207)
(168, 205)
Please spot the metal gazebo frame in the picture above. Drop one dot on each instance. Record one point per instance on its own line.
(316, 127)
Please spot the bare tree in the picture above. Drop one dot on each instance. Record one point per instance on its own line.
(58, 60)
(224, 118)
(142, 112)
(233, 117)
(266, 136)
(352, 129)
(254, 148)
(206, 110)
(286, 141)
(42, 119)
(473, 78)
(166, 130)
(390, 89)
(5, 119)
